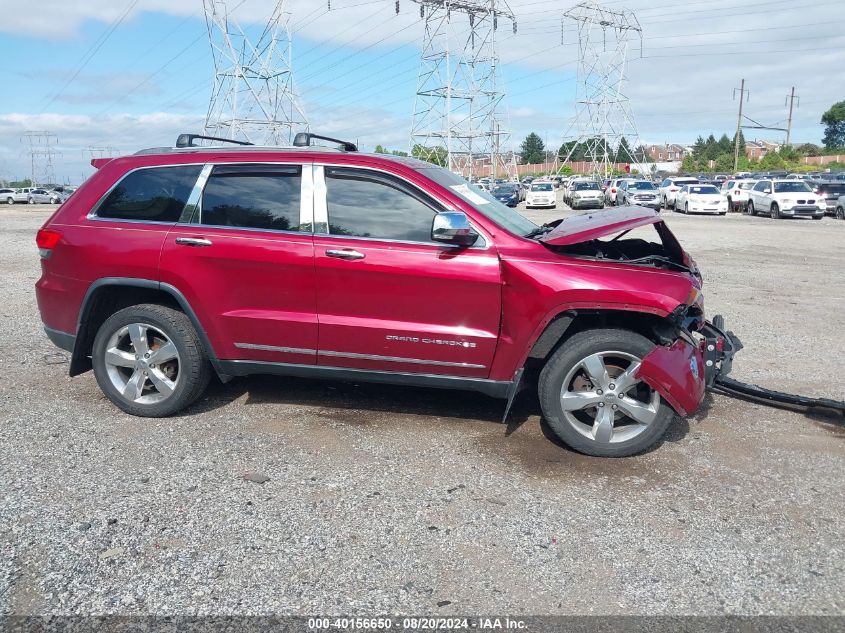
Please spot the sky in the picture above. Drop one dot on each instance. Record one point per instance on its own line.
(129, 74)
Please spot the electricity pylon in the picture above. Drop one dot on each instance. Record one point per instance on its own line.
(456, 114)
(42, 150)
(253, 97)
(603, 114)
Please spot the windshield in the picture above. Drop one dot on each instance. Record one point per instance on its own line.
(641, 186)
(503, 191)
(542, 186)
(481, 201)
(705, 189)
(797, 186)
(581, 186)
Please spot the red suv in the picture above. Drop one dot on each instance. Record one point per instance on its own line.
(174, 263)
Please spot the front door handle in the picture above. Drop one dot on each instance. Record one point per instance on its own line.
(345, 254)
(193, 241)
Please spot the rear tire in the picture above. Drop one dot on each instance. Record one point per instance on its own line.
(584, 428)
(164, 387)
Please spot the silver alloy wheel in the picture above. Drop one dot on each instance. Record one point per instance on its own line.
(603, 401)
(142, 363)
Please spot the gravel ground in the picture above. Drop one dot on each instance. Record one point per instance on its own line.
(385, 499)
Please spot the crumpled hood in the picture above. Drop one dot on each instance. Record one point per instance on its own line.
(591, 226)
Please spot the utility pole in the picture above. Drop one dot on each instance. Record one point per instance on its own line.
(42, 151)
(742, 93)
(791, 98)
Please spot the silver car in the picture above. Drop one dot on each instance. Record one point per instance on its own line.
(586, 194)
(840, 208)
(639, 192)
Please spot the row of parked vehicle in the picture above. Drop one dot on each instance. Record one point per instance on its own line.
(35, 195)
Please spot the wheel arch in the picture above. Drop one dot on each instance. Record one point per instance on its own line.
(107, 295)
(569, 322)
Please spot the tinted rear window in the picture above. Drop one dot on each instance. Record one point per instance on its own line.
(581, 186)
(253, 197)
(156, 194)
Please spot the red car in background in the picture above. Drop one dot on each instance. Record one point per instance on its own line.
(173, 264)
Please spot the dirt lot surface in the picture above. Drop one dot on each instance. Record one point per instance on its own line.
(384, 499)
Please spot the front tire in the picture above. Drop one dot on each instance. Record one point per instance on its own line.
(10, 200)
(749, 208)
(775, 211)
(591, 400)
(149, 361)
(840, 213)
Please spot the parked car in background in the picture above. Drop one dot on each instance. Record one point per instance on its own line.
(39, 196)
(670, 186)
(785, 198)
(7, 195)
(506, 194)
(720, 178)
(586, 195)
(22, 194)
(840, 208)
(610, 194)
(640, 192)
(732, 192)
(541, 194)
(830, 190)
(739, 195)
(700, 198)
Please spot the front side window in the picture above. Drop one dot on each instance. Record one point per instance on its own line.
(253, 197)
(368, 204)
(155, 194)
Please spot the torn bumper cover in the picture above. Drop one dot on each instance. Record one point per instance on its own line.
(683, 371)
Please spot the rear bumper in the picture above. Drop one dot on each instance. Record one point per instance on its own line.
(60, 339)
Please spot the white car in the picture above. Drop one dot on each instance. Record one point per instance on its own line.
(700, 199)
(541, 194)
(785, 198)
(586, 193)
(670, 186)
(7, 195)
(732, 192)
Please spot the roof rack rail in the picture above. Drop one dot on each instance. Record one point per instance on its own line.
(303, 139)
(187, 140)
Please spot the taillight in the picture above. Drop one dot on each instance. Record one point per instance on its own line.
(46, 241)
(673, 188)
(736, 192)
(613, 190)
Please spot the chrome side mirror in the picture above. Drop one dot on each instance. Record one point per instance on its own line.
(453, 227)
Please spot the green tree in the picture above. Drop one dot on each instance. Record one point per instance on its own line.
(380, 150)
(725, 145)
(789, 153)
(623, 152)
(772, 160)
(808, 149)
(711, 148)
(834, 126)
(532, 150)
(688, 164)
(17, 184)
(397, 152)
(725, 162)
(436, 155)
(698, 147)
(641, 154)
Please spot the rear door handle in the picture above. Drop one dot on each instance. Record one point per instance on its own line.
(193, 241)
(345, 254)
